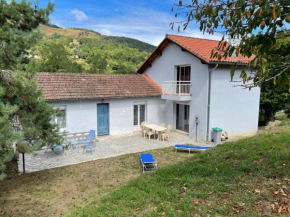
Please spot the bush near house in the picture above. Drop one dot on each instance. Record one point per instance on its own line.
(248, 177)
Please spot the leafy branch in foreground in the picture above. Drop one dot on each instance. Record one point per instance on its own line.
(256, 23)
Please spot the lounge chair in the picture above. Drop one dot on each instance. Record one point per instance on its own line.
(89, 148)
(90, 138)
(148, 162)
(188, 147)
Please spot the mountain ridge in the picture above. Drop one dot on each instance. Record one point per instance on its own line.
(76, 32)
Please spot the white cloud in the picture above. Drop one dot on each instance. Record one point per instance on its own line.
(79, 15)
(141, 23)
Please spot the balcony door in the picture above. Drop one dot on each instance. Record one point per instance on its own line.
(183, 73)
(183, 79)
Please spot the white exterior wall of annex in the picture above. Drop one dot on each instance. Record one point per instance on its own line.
(234, 109)
(164, 69)
(81, 115)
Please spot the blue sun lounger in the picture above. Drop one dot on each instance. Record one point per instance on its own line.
(148, 162)
(190, 147)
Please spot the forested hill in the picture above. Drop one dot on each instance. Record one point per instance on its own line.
(85, 51)
(51, 30)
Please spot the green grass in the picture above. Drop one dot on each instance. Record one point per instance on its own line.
(234, 178)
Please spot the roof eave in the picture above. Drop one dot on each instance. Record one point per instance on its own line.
(229, 63)
(100, 98)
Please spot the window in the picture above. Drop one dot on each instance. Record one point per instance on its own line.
(60, 120)
(139, 114)
(183, 73)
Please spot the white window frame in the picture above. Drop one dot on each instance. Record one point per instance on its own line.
(182, 66)
(138, 104)
(62, 107)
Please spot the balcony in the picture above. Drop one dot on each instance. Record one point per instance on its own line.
(176, 90)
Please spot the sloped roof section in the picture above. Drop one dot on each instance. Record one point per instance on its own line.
(201, 48)
(70, 86)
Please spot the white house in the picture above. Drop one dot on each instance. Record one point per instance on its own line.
(178, 83)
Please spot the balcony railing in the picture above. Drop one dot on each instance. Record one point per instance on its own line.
(176, 88)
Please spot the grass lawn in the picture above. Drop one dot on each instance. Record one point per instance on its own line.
(56, 191)
(248, 177)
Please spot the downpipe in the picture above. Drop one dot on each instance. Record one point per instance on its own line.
(209, 100)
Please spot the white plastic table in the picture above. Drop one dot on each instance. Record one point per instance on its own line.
(156, 128)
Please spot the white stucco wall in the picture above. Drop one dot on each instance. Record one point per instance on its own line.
(234, 109)
(81, 115)
(163, 69)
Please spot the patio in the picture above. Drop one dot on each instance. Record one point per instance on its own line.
(108, 146)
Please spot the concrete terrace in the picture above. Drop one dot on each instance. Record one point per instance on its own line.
(109, 146)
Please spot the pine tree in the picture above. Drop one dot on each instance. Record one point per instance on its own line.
(24, 114)
(7, 136)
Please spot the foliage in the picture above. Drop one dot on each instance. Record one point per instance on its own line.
(52, 25)
(24, 114)
(16, 23)
(238, 177)
(274, 99)
(54, 56)
(130, 42)
(81, 54)
(7, 136)
(96, 61)
(87, 31)
(256, 23)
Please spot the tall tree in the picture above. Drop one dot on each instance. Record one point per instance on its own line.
(98, 64)
(54, 56)
(24, 115)
(255, 22)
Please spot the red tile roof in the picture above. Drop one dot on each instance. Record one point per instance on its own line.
(201, 48)
(68, 86)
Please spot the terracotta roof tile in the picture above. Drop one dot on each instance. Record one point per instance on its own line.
(61, 86)
(202, 48)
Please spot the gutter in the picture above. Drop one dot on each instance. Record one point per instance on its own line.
(100, 98)
(229, 63)
(208, 100)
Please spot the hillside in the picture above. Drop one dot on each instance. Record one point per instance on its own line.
(78, 50)
(49, 30)
(248, 177)
(75, 32)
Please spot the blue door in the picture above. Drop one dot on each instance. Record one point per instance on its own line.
(103, 119)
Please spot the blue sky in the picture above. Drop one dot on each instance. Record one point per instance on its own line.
(144, 20)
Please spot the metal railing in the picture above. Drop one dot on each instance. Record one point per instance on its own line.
(177, 88)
